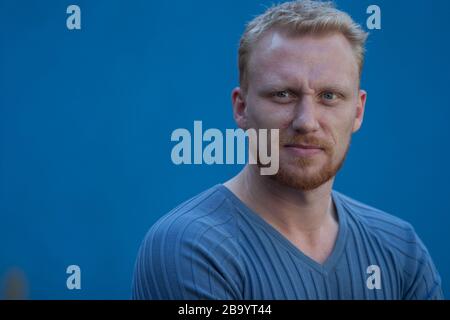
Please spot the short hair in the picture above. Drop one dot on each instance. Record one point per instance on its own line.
(298, 18)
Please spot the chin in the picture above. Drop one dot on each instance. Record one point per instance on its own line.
(304, 177)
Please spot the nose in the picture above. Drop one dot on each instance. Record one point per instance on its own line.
(305, 120)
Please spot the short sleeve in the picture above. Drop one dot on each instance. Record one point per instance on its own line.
(187, 261)
(425, 282)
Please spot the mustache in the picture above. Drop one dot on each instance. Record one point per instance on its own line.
(307, 141)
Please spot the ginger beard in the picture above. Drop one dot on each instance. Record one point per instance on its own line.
(310, 172)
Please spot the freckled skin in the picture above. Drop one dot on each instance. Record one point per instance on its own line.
(308, 87)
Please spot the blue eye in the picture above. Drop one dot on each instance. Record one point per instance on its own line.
(282, 94)
(329, 95)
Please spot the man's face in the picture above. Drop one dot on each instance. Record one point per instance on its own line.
(308, 88)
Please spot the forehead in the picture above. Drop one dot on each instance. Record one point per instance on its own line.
(311, 59)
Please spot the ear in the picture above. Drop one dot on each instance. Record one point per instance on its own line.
(239, 108)
(362, 96)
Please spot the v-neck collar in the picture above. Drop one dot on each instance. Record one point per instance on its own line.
(339, 245)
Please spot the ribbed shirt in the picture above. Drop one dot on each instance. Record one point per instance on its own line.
(215, 247)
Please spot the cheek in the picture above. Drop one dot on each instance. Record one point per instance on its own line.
(338, 126)
(264, 114)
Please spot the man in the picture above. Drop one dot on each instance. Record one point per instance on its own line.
(290, 236)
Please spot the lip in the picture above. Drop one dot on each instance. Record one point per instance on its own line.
(303, 150)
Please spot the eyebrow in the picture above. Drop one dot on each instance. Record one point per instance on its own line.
(335, 87)
(277, 86)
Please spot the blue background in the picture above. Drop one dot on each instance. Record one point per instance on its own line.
(86, 118)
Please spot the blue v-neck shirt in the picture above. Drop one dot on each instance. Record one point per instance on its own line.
(215, 247)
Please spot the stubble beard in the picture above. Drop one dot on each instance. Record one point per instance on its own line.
(295, 173)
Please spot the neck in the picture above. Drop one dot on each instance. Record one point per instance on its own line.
(288, 209)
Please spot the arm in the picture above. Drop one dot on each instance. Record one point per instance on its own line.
(187, 263)
(425, 282)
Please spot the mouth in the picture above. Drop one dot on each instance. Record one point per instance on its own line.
(303, 150)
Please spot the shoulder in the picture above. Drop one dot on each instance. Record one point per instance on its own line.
(190, 251)
(398, 238)
(388, 231)
(207, 214)
(378, 221)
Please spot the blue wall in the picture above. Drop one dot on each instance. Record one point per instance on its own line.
(86, 118)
